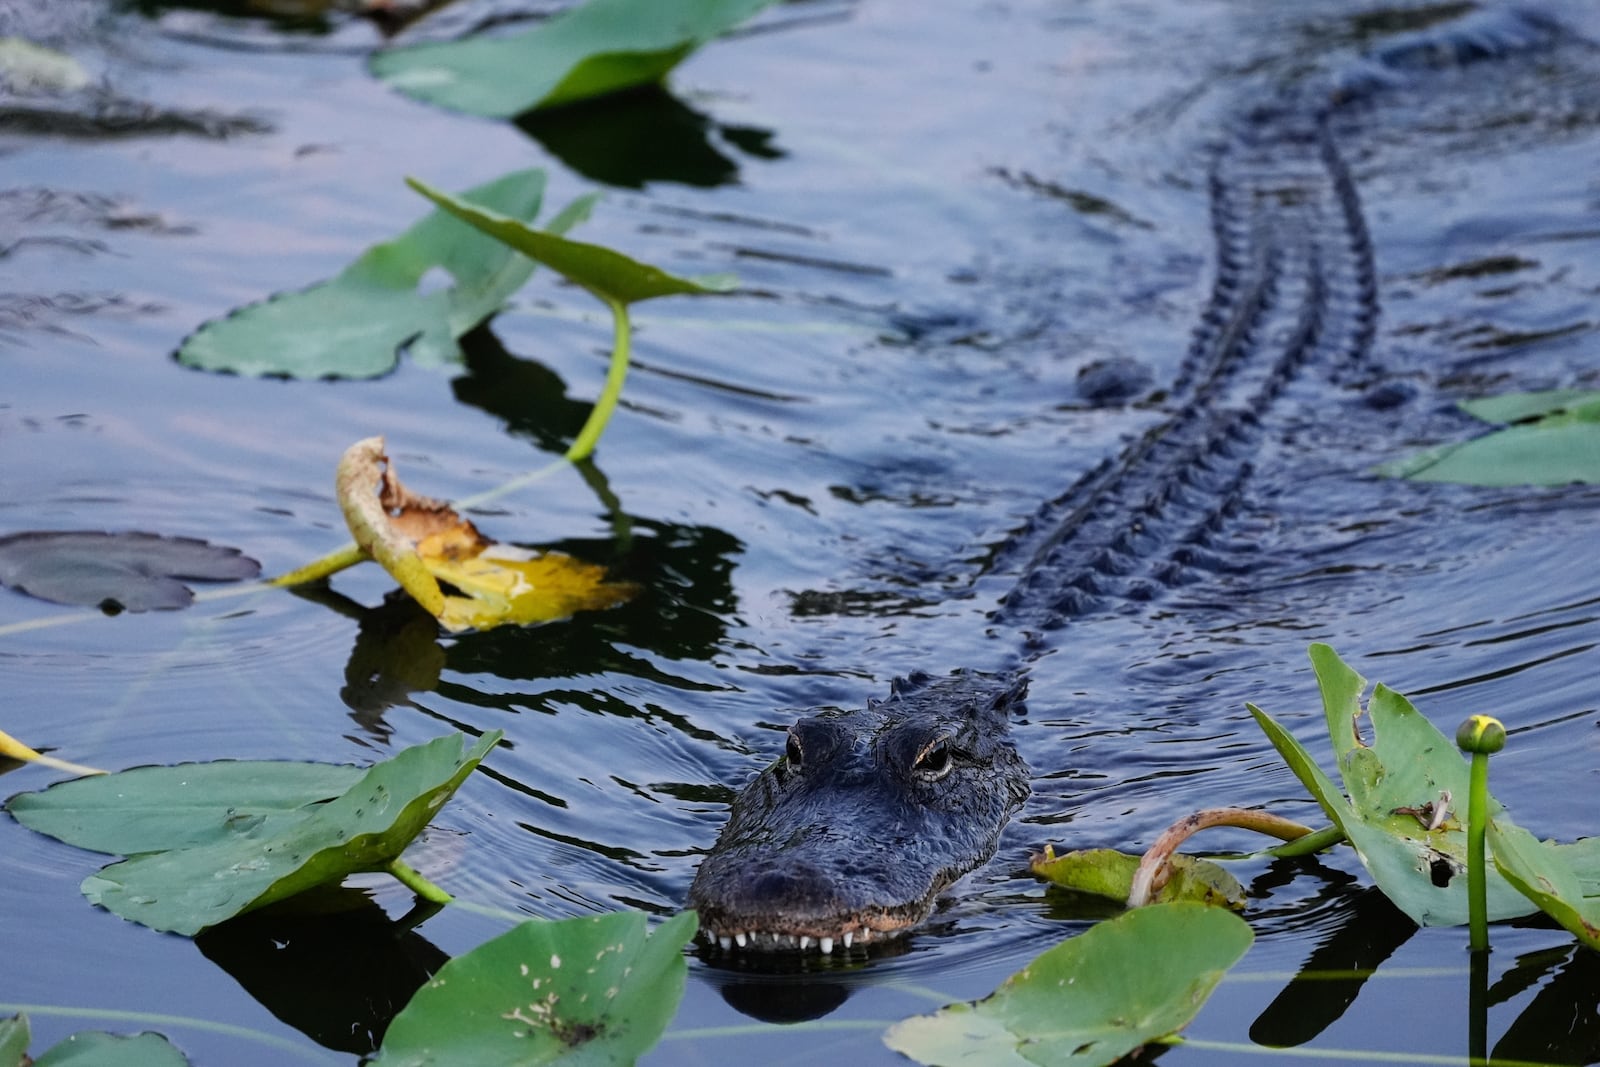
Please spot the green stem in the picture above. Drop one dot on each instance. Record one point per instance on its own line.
(317, 569)
(621, 334)
(1316, 841)
(1477, 876)
(419, 885)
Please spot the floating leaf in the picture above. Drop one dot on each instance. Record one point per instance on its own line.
(116, 571)
(600, 47)
(607, 274)
(1092, 999)
(1407, 769)
(1538, 869)
(218, 859)
(156, 809)
(1105, 872)
(87, 1049)
(422, 541)
(94, 1049)
(1562, 446)
(588, 990)
(356, 324)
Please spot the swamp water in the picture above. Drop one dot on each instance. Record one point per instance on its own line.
(940, 217)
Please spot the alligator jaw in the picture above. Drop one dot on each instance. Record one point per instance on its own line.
(859, 930)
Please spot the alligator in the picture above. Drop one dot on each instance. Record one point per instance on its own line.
(871, 813)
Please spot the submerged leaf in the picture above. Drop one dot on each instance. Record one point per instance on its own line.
(1561, 447)
(116, 571)
(1092, 999)
(356, 324)
(236, 837)
(590, 990)
(1540, 871)
(607, 274)
(600, 47)
(1408, 768)
(1105, 872)
(422, 542)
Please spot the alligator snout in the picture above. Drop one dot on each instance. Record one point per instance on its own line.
(867, 817)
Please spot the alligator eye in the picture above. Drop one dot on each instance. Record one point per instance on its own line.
(792, 753)
(934, 762)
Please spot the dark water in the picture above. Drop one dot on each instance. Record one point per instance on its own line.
(940, 217)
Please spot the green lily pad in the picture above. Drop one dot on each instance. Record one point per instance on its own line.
(116, 571)
(14, 1040)
(157, 809)
(1409, 765)
(1105, 872)
(95, 1049)
(1538, 870)
(88, 1048)
(609, 275)
(356, 324)
(1092, 999)
(1560, 447)
(600, 47)
(593, 991)
(230, 860)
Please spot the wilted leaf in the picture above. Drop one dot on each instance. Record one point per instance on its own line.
(1562, 446)
(608, 274)
(603, 46)
(590, 990)
(1538, 869)
(1092, 999)
(1108, 873)
(422, 541)
(218, 859)
(356, 324)
(1408, 766)
(116, 571)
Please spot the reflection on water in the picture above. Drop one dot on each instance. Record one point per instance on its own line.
(813, 509)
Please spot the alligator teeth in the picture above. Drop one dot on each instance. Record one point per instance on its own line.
(805, 943)
(740, 938)
(726, 943)
(826, 944)
(849, 935)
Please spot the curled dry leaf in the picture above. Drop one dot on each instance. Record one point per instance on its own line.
(423, 542)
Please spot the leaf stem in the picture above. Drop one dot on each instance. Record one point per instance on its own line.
(600, 415)
(1153, 871)
(1477, 875)
(317, 569)
(408, 877)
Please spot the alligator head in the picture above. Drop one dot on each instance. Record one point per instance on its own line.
(870, 813)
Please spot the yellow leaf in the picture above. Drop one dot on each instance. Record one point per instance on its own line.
(422, 541)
